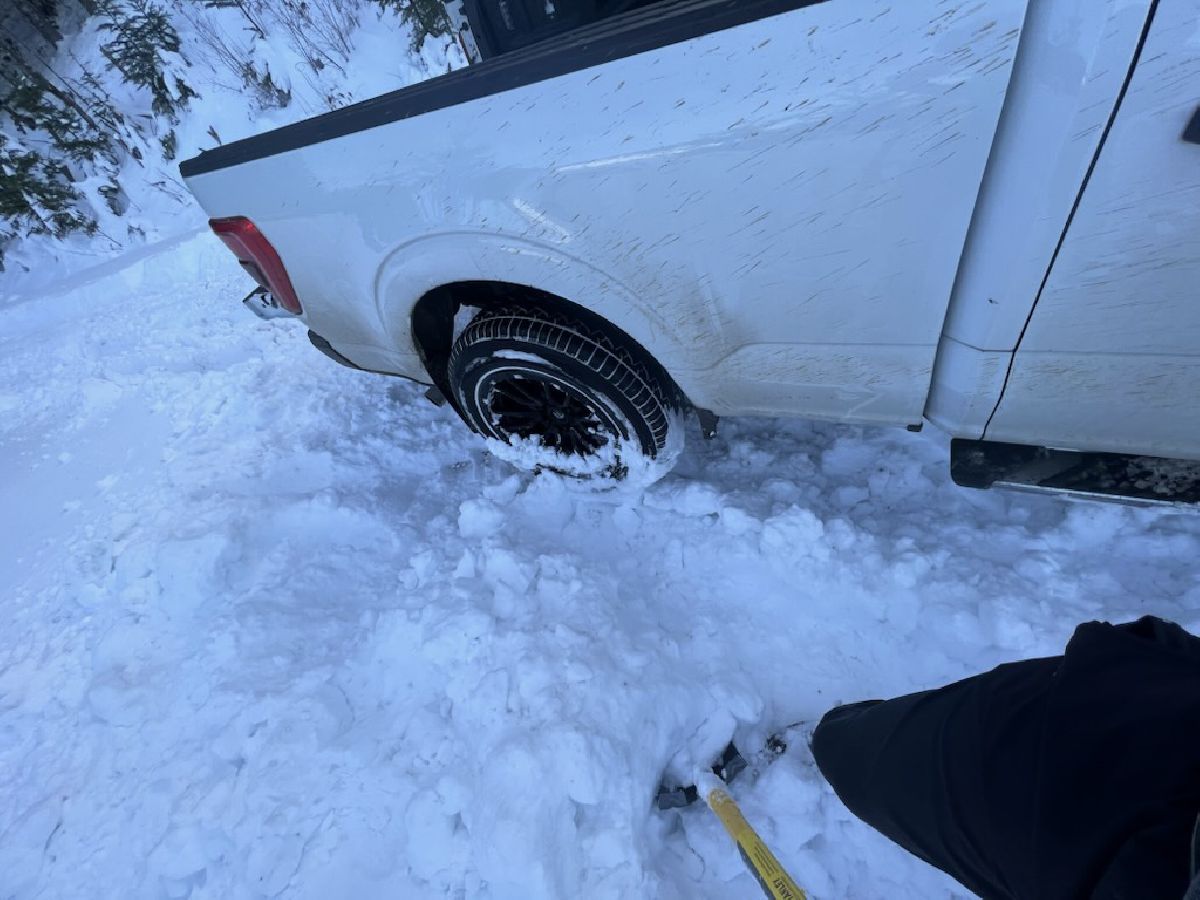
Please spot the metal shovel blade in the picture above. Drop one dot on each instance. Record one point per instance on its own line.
(728, 766)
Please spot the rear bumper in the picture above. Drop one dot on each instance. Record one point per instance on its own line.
(323, 345)
(434, 395)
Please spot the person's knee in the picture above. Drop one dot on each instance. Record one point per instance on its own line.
(840, 748)
(837, 726)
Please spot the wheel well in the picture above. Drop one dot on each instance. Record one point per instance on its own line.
(433, 325)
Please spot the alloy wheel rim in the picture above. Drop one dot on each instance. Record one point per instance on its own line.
(559, 416)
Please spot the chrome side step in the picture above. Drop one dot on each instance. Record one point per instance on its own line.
(1114, 476)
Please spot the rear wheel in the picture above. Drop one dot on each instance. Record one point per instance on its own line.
(566, 396)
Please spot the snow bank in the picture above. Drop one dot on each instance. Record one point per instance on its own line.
(278, 628)
(219, 43)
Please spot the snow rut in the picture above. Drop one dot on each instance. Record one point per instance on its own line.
(277, 628)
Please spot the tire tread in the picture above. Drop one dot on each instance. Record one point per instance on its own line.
(587, 346)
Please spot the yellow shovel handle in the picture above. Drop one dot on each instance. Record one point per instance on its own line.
(775, 882)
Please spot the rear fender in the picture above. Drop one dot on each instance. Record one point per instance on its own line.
(415, 268)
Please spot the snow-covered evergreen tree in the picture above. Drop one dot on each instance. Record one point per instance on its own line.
(427, 18)
(142, 36)
(36, 196)
(60, 124)
(51, 127)
(99, 97)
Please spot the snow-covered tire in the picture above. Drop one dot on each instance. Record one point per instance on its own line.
(554, 384)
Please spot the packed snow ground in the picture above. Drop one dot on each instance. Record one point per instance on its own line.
(277, 628)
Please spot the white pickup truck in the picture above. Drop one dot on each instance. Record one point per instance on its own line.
(985, 215)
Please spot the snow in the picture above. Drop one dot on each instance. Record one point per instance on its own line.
(216, 45)
(276, 628)
(280, 628)
(622, 455)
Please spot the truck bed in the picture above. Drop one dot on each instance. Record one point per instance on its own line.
(665, 23)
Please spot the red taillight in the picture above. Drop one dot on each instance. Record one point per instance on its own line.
(257, 257)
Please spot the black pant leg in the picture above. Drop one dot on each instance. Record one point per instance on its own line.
(1064, 778)
(946, 774)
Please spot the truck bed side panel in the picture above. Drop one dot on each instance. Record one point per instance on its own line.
(775, 209)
